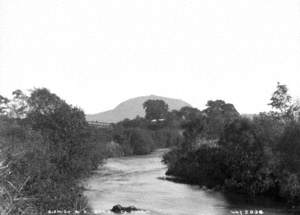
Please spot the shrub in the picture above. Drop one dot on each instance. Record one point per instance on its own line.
(50, 147)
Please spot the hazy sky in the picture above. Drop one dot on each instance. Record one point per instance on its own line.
(97, 53)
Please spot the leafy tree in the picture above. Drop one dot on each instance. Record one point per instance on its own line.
(204, 166)
(241, 136)
(3, 105)
(290, 188)
(43, 102)
(254, 157)
(141, 141)
(49, 142)
(289, 148)
(219, 113)
(18, 106)
(66, 129)
(189, 113)
(281, 102)
(19, 147)
(246, 158)
(193, 130)
(134, 141)
(167, 137)
(155, 109)
(269, 128)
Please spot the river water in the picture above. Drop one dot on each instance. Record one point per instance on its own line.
(138, 181)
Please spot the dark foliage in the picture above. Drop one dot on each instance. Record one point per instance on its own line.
(141, 136)
(252, 157)
(48, 144)
(155, 109)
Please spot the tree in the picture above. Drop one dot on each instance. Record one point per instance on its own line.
(3, 105)
(219, 113)
(241, 136)
(189, 113)
(141, 141)
(259, 156)
(43, 102)
(49, 142)
(65, 128)
(289, 148)
(280, 99)
(281, 102)
(18, 106)
(194, 129)
(23, 159)
(155, 109)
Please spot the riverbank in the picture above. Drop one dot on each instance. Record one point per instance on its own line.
(137, 181)
(241, 199)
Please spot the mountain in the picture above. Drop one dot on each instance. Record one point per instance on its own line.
(133, 107)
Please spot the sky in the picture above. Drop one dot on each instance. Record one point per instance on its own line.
(98, 53)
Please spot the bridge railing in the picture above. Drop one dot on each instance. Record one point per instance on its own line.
(100, 124)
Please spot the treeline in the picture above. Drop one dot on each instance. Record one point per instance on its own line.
(162, 128)
(47, 146)
(225, 151)
(142, 135)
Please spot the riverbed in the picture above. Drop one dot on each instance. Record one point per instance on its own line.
(139, 181)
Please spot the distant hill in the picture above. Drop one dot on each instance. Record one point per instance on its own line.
(133, 107)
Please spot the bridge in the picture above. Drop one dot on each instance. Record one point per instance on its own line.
(100, 124)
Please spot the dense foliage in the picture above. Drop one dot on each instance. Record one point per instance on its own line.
(47, 146)
(259, 156)
(143, 135)
(155, 109)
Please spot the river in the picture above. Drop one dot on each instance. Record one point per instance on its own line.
(138, 181)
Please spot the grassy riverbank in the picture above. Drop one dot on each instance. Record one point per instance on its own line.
(46, 147)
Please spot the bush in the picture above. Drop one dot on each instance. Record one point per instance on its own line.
(140, 140)
(134, 141)
(289, 148)
(290, 188)
(167, 137)
(205, 166)
(50, 146)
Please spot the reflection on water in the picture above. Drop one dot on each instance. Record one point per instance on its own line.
(136, 181)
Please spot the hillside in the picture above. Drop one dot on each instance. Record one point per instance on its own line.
(133, 107)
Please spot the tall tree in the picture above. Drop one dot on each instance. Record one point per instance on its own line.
(50, 144)
(282, 103)
(219, 113)
(289, 147)
(189, 113)
(280, 99)
(155, 109)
